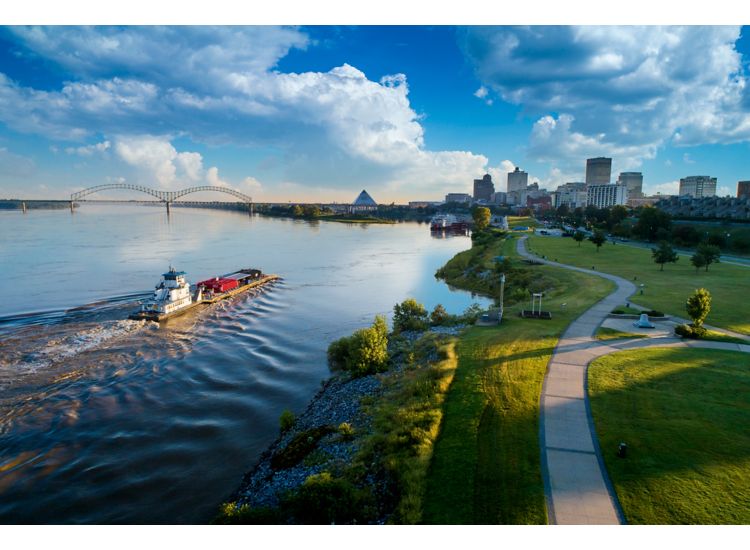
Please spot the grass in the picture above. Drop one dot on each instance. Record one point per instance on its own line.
(522, 221)
(605, 333)
(406, 421)
(665, 290)
(684, 415)
(486, 462)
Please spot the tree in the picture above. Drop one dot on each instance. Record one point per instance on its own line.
(598, 238)
(578, 236)
(650, 220)
(409, 315)
(297, 211)
(710, 253)
(481, 217)
(439, 315)
(664, 254)
(698, 306)
(698, 260)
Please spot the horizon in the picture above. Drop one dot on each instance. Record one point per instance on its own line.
(316, 114)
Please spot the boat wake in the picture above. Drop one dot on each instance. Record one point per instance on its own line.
(68, 346)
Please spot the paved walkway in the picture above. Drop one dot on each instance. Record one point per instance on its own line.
(577, 488)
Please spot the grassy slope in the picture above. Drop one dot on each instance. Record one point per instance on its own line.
(684, 415)
(486, 463)
(665, 290)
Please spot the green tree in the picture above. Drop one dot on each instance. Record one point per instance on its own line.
(698, 260)
(481, 217)
(578, 236)
(711, 253)
(409, 315)
(439, 315)
(650, 220)
(598, 238)
(297, 211)
(698, 306)
(663, 254)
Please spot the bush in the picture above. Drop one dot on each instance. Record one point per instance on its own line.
(323, 499)
(346, 431)
(690, 331)
(409, 315)
(299, 447)
(364, 352)
(286, 420)
(231, 514)
(654, 313)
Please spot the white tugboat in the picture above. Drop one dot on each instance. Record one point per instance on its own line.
(170, 297)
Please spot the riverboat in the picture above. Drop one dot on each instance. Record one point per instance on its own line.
(173, 295)
(447, 222)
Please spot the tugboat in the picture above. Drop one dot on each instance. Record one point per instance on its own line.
(173, 297)
(448, 222)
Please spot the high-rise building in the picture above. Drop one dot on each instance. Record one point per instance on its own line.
(698, 186)
(634, 182)
(598, 170)
(605, 195)
(484, 188)
(517, 180)
(743, 189)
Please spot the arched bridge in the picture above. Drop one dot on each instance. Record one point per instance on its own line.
(167, 197)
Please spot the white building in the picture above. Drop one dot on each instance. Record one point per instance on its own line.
(607, 194)
(517, 182)
(572, 194)
(698, 186)
(459, 197)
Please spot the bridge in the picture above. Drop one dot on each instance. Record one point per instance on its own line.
(167, 197)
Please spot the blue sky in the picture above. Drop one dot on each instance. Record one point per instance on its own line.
(318, 113)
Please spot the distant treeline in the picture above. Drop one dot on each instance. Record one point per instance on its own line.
(16, 204)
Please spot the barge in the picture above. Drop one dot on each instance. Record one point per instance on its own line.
(173, 296)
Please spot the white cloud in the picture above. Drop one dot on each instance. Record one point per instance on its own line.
(686, 159)
(481, 93)
(667, 188)
(617, 91)
(89, 150)
(333, 129)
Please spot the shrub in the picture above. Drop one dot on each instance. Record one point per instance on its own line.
(364, 352)
(409, 315)
(654, 313)
(472, 313)
(698, 306)
(689, 331)
(346, 431)
(299, 447)
(324, 499)
(286, 420)
(231, 514)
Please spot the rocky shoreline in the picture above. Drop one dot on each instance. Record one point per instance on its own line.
(326, 437)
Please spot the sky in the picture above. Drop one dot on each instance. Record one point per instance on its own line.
(318, 113)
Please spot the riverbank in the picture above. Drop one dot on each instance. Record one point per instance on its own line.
(360, 451)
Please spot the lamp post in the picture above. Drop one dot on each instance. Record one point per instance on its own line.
(502, 297)
(642, 285)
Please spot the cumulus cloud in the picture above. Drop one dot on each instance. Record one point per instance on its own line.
(89, 150)
(220, 86)
(616, 91)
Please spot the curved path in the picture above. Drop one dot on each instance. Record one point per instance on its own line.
(576, 485)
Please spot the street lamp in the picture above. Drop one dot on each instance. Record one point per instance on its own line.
(642, 285)
(502, 297)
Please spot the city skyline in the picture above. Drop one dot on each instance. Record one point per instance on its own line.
(317, 113)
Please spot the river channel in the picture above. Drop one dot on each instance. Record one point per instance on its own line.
(105, 420)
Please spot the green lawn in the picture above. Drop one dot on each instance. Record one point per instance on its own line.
(684, 414)
(486, 462)
(604, 333)
(665, 290)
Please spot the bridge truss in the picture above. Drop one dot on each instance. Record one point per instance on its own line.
(167, 197)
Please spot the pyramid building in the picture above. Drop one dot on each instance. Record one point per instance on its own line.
(363, 203)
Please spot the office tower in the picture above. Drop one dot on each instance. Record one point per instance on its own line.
(634, 182)
(598, 170)
(484, 188)
(698, 186)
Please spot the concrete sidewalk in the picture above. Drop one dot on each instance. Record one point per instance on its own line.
(577, 488)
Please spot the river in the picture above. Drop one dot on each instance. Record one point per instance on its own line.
(104, 420)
